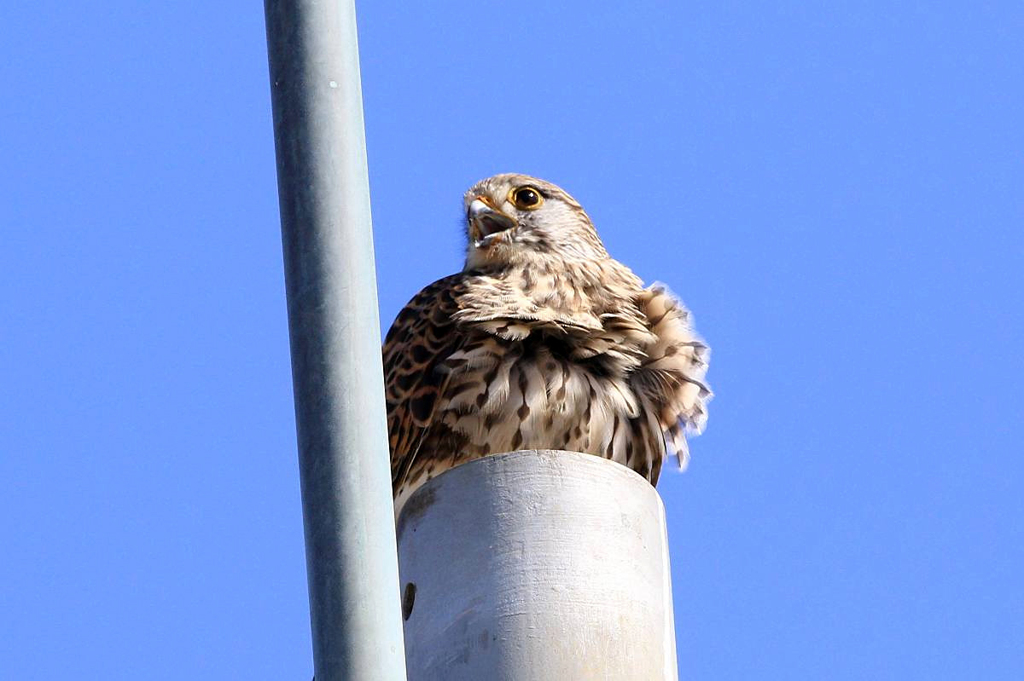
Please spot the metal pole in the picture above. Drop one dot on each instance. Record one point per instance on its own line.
(533, 566)
(351, 559)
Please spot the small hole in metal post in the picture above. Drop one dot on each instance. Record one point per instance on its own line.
(408, 600)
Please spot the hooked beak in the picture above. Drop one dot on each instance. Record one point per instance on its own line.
(486, 223)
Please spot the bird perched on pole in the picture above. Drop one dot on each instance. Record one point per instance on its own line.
(543, 341)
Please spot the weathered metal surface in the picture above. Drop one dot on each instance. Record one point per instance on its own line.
(535, 566)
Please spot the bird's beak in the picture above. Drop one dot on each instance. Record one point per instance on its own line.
(486, 223)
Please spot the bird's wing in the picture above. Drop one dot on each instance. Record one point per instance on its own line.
(670, 381)
(419, 342)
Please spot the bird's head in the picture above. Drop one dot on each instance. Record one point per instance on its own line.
(516, 219)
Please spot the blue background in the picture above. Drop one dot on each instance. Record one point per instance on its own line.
(835, 192)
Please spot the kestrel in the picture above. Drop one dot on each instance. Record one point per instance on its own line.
(543, 341)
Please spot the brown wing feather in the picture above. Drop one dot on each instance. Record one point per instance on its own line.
(670, 381)
(422, 337)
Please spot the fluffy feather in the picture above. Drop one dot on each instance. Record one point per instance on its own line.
(542, 342)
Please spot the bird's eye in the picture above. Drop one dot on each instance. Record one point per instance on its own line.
(527, 198)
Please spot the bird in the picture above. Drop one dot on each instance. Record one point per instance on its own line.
(542, 341)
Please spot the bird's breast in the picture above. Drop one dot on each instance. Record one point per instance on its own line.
(505, 396)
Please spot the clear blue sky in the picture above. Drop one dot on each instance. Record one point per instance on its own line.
(837, 193)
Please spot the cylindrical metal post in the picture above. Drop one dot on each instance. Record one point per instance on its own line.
(335, 340)
(535, 566)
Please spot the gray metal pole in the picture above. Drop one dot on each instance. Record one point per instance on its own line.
(535, 566)
(351, 559)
